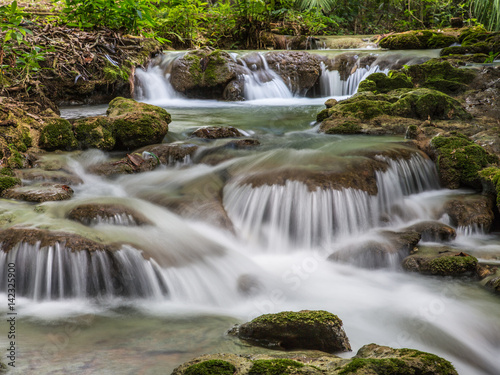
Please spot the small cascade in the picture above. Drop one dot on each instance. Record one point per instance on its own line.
(154, 85)
(54, 272)
(117, 219)
(331, 83)
(262, 82)
(471, 230)
(405, 177)
(291, 216)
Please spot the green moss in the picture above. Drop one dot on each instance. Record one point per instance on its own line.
(347, 127)
(6, 171)
(16, 159)
(492, 174)
(58, 135)
(381, 83)
(452, 265)
(211, 367)
(408, 40)
(114, 73)
(308, 317)
(441, 41)
(386, 366)
(7, 182)
(324, 114)
(94, 133)
(440, 75)
(274, 367)
(460, 160)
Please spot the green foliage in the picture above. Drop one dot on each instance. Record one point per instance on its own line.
(19, 63)
(488, 12)
(127, 15)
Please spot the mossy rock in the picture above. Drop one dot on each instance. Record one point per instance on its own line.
(211, 367)
(288, 330)
(277, 367)
(94, 132)
(136, 124)
(459, 160)
(57, 134)
(441, 41)
(7, 182)
(407, 40)
(490, 178)
(472, 35)
(375, 359)
(418, 39)
(440, 75)
(418, 104)
(441, 261)
(381, 83)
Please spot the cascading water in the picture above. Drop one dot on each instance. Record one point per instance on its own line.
(174, 286)
(288, 216)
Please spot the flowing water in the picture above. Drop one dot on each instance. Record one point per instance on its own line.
(178, 284)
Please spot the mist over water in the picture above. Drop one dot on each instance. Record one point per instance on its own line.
(178, 283)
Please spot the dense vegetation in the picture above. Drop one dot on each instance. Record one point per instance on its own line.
(239, 23)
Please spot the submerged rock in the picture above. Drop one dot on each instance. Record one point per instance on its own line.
(45, 192)
(169, 154)
(441, 261)
(55, 176)
(132, 163)
(433, 231)
(216, 132)
(388, 249)
(94, 213)
(471, 211)
(306, 329)
(11, 237)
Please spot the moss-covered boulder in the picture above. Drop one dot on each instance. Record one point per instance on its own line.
(418, 39)
(475, 40)
(211, 367)
(137, 124)
(381, 83)
(94, 132)
(288, 330)
(376, 359)
(204, 73)
(57, 134)
(459, 160)
(440, 75)
(490, 179)
(441, 261)
(417, 104)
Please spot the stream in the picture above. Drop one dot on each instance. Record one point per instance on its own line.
(191, 279)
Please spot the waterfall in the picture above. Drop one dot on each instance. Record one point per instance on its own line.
(289, 216)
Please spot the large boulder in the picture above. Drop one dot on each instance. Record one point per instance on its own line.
(459, 160)
(300, 69)
(306, 329)
(95, 132)
(441, 261)
(204, 73)
(137, 124)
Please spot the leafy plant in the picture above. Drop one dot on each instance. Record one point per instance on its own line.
(488, 12)
(491, 57)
